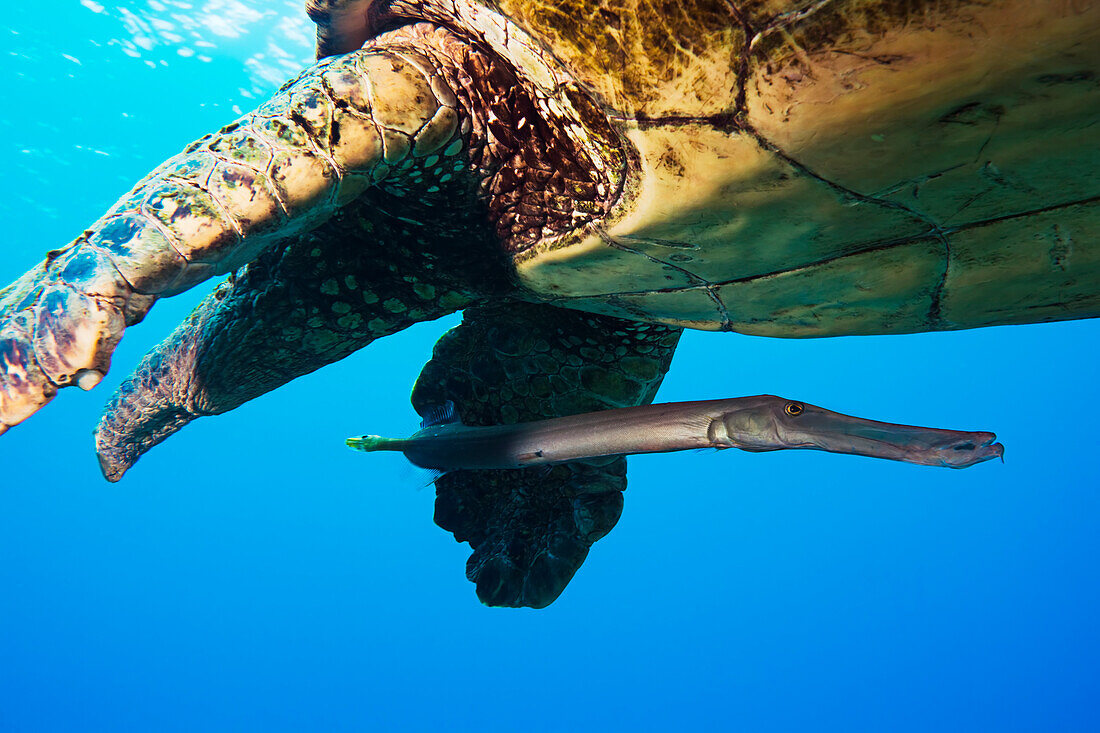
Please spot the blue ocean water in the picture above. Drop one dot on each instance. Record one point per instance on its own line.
(254, 574)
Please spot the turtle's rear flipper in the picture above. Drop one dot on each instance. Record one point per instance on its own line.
(512, 362)
(530, 528)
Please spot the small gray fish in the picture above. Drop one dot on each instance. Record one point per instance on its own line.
(760, 423)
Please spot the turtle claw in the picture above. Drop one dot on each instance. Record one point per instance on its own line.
(59, 325)
(57, 353)
(24, 388)
(88, 379)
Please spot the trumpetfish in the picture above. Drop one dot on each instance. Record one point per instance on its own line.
(756, 424)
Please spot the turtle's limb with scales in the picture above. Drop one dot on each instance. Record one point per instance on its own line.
(343, 126)
(405, 131)
(531, 528)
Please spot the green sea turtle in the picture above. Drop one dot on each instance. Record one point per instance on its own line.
(585, 178)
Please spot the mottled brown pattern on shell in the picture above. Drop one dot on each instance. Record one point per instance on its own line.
(805, 27)
(948, 160)
(761, 14)
(647, 58)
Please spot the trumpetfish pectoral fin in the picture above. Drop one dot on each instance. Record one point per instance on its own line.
(531, 529)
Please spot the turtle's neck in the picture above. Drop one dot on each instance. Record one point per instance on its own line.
(549, 163)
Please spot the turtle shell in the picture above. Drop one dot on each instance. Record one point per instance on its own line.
(825, 167)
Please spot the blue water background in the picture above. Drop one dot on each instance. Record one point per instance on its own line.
(254, 574)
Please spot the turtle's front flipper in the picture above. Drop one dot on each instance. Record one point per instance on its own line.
(282, 170)
(531, 528)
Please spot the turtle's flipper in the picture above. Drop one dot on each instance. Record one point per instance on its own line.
(340, 128)
(285, 315)
(531, 528)
(294, 310)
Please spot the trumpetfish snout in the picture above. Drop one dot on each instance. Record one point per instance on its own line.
(799, 425)
(760, 423)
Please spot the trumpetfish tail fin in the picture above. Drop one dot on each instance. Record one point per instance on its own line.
(371, 443)
(434, 416)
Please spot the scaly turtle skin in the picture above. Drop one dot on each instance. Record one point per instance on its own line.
(585, 179)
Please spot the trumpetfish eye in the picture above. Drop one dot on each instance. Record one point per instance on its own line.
(794, 409)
